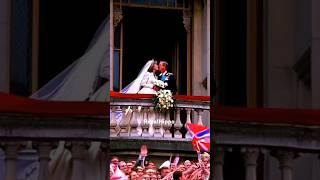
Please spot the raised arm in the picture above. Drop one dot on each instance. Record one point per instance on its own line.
(142, 156)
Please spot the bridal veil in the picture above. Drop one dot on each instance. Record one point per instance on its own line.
(135, 86)
(81, 81)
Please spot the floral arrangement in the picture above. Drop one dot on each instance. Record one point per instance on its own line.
(163, 100)
(160, 83)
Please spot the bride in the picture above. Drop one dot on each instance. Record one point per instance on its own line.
(144, 83)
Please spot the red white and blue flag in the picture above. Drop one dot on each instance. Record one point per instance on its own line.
(200, 137)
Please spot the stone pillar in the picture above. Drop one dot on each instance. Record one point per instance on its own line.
(208, 43)
(197, 48)
(124, 123)
(139, 117)
(315, 54)
(188, 134)
(250, 156)
(218, 164)
(111, 41)
(11, 152)
(187, 26)
(167, 126)
(113, 122)
(78, 150)
(177, 125)
(134, 122)
(157, 125)
(145, 122)
(285, 159)
(115, 18)
(44, 149)
(199, 113)
(151, 119)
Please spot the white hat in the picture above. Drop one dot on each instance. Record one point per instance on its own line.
(150, 171)
(165, 164)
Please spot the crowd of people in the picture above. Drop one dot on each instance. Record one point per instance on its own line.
(143, 169)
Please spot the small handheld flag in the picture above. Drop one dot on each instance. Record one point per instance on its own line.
(201, 137)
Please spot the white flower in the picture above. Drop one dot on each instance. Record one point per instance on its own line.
(164, 100)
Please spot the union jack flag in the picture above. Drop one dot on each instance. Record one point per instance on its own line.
(200, 137)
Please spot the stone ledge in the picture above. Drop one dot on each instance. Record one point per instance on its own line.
(120, 144)
(25, 126)
(148, 102)
(305, 138)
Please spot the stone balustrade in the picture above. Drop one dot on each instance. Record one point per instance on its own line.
(135, 117)
(250, 154)
(264, 149)
(34, 137)
(40, 153)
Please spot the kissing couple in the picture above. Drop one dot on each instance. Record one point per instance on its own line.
(151, 79)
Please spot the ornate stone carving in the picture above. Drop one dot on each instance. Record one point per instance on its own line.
(187, 21)
(44, 149)
(286, 160)
(250, 156)
(11, 150)
(117, 17)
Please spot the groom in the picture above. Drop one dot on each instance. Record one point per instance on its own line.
(167, 77)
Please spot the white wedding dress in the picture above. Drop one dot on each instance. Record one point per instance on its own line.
(147, 83)
(81, 81)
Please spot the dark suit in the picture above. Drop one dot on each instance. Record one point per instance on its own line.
(170, 79)
(142, 161)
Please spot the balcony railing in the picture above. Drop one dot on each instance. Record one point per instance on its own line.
(140, 120)
(165, 4)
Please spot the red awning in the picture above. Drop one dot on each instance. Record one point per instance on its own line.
(267, 115)
(150, 96)
(16, 104)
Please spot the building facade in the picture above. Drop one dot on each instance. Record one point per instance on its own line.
(266, 65)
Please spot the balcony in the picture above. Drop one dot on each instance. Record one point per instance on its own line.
(161, 4)
(266, 143)
(31, 129)
(141, 123)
